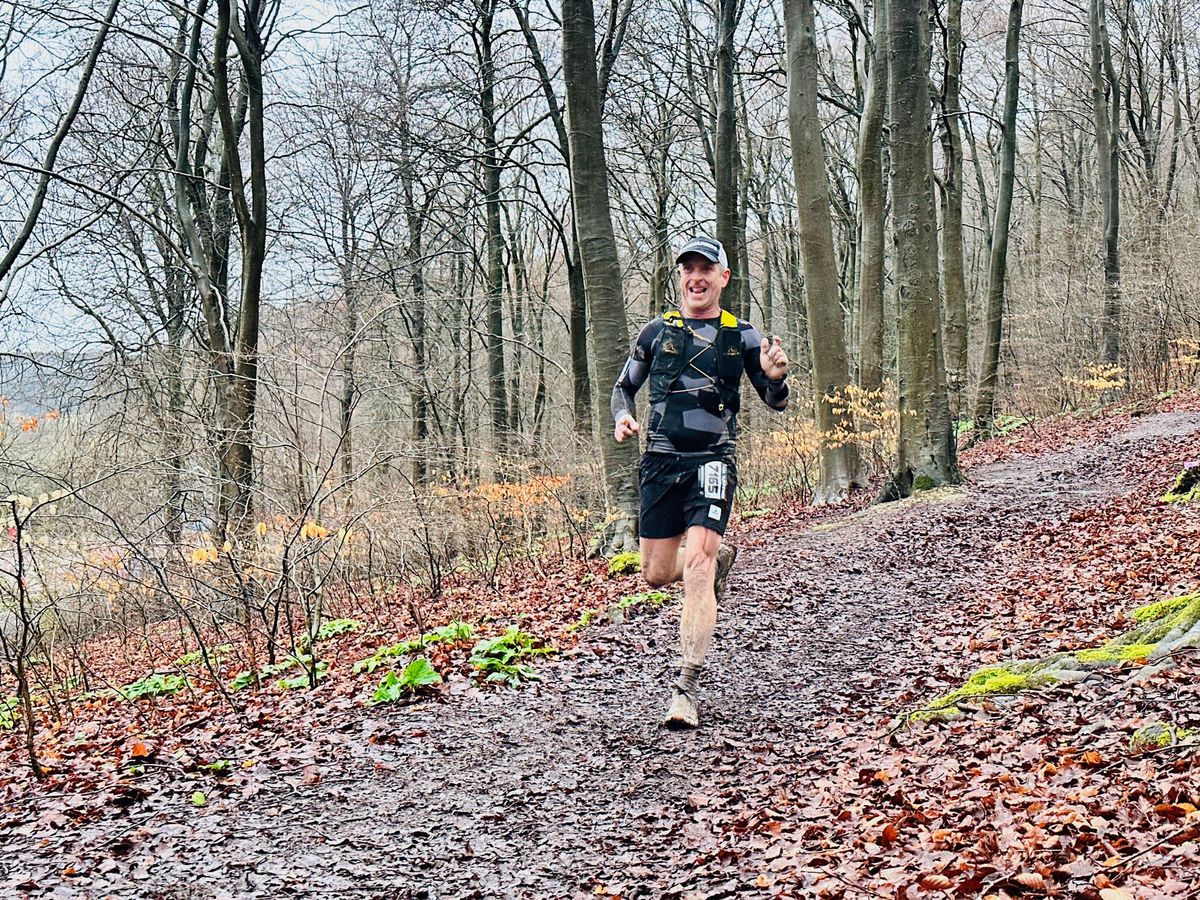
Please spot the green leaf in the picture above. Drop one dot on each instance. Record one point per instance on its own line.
(198, 798)
(334, 627)
(455, 631)
(301, 680)
(419, 673)
(416, 675)
(156, 685)
(245, 679)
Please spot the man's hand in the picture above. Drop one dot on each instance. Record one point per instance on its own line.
(626, 426)
(771, 357)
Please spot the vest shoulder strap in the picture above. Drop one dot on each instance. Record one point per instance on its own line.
(675, 317)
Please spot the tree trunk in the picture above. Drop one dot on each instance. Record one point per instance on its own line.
(1106, 111)
(234, 340)
(598, 254)
(581, 381)
(872, 211)
(831, 371)
(494, 289)
(926, 452)
(728, 167)
(985, 401)
(955, 329)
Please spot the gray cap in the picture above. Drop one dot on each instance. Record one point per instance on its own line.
(709, 248)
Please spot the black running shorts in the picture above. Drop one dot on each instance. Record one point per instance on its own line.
(678, 492)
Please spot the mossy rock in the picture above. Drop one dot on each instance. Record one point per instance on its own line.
(923, 483)
(629, 563)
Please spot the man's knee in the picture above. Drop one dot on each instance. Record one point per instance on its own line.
(658, 576)
(660, 561)
(700, 563)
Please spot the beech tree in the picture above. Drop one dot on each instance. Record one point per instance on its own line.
(926, 452)
(598, 253)
(831, 372)
(998, 264)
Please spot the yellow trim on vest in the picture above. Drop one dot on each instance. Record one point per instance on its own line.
(675, 317)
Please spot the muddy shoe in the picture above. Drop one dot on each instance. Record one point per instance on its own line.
(682, 712)
(726, 556)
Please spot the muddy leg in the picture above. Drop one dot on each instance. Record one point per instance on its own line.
(696, 623)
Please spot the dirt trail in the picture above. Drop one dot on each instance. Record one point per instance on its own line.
(553, 790)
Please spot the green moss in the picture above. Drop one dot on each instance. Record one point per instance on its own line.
(1175, 497)
(1158, 734)
(987, 682)
(1153, 612)
(1155, 622)
(1186, 487)
(1114, 653)
(586, 618)
(625, 563)
(923, 483)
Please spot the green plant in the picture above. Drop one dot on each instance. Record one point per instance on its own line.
(653, 598)
(447, 634)
(334, 627)
(416, 675)
(8, 712)
(625, 563)
(244, 679)
(586, 618)
(190, 659)
(301, 680)
(501, 660)
(217, 766)
(156, 685)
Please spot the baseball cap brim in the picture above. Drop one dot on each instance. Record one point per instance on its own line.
(707, 247)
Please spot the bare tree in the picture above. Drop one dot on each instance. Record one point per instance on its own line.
(926, 452)
(598, 253)
(985, 402)
(871, 183)
(1106, 106)
(46, 171)
(831, 370)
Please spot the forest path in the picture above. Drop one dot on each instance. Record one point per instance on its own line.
(569, 787)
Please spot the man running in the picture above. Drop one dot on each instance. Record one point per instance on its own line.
(694, 358)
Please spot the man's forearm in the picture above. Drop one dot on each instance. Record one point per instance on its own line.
(622, 402)
(776, 394)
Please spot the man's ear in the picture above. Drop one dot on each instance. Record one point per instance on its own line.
(725, 276)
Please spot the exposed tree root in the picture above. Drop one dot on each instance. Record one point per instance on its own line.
(617, 536)
(1161, 628)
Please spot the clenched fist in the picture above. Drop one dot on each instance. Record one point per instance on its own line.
(626, 425)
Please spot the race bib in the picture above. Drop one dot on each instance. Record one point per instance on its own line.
(714, 477)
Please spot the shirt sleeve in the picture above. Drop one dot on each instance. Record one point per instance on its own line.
(637, 368)
(773, 393)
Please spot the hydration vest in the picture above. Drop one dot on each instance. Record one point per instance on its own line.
(671, 359)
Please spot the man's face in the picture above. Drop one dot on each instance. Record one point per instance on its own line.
(701, 280)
